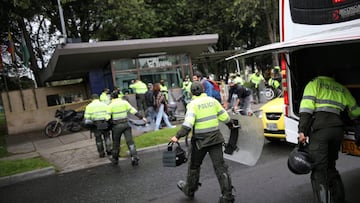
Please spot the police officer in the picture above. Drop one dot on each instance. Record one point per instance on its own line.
(105, 96)
(203, 116)
(140, 89)
(99, 114)
(255, 79)
(186, 92)
(323, 100)
(164, 90)
(119, 110)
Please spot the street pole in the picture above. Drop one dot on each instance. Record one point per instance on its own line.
(62, 21)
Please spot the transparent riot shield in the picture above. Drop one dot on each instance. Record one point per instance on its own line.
(250, 140)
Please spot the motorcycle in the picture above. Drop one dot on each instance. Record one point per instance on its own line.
(66, 120)
(270, 92)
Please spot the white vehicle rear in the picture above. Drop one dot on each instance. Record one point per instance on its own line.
(322, 34)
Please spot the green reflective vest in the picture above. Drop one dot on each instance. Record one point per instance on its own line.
(97, 111)
(203, 114)
(256, 79)
(164, 91)
(104, 97)
(274, 83)
(238, 80)
(139, 87)
(325, 94)
(186, 86)
(120, 108)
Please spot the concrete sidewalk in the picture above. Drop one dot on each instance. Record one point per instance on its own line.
(68, 152)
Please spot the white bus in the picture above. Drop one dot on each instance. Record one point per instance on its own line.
(316, 34)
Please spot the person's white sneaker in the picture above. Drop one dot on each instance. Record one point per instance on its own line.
(173, 126)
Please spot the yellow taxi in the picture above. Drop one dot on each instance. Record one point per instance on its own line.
(272, 117)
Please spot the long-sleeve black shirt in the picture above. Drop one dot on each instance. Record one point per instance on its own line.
(240, 90)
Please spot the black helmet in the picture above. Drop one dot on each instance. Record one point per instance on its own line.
(299, 161)
(196, 88)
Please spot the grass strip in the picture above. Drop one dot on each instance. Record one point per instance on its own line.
(11, 167)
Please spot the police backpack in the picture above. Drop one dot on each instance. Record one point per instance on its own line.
(174, 157)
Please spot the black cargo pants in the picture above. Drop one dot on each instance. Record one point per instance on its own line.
(118, 130)
(324, 146)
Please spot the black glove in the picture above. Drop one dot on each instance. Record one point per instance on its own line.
(230, 124)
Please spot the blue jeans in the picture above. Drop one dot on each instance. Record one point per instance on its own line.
(151, 114)
(162, 115)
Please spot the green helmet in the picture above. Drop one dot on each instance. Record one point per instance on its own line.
(196, 88)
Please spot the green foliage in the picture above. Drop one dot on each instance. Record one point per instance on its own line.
(239, 23)
(11, 167)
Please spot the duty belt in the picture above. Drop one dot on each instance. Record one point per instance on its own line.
(123, 120)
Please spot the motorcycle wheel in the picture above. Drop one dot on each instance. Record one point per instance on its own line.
(53, 129)
(269, 93)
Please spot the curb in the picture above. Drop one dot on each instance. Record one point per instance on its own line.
(8, 180)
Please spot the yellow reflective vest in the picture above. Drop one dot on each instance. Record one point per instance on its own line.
(97, 111)
(203, 114)
(104, 97)
(325, 94)
(256, 79)
(274, 83)
(186, 85)
(139, 87)
(164, 91)
(120, 108)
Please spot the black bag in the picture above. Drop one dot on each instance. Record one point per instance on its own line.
(173, 158)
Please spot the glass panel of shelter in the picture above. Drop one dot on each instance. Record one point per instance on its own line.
(171, 68)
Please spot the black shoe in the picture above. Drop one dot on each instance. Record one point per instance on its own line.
(102, 155)
(114, 161)
(135, 161)
(224, 199)
(109, 152)
(181, 185)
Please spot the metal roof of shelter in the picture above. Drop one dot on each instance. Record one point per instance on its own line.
(75, 60)
(346, 34)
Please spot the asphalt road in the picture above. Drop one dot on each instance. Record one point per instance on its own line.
(268, 181)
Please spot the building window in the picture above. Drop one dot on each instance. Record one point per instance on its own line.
(59, 99)
(151, 70)
(124, 64)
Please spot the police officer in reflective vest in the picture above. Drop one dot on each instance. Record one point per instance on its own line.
(140, 89)
(203, 115)
(99, 113)
(119, 109)
(164, 90)
(322, 102)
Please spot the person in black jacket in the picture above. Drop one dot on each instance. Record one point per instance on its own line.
(150, 111)
(239, 96)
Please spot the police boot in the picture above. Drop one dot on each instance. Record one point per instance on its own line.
(115, 157)
(133, 153)
(321, 193)
(135, 160)
(192, 183)
(226, 189)
(336, 188)
(100, 148)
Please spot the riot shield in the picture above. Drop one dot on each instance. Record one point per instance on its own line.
(250, 140)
